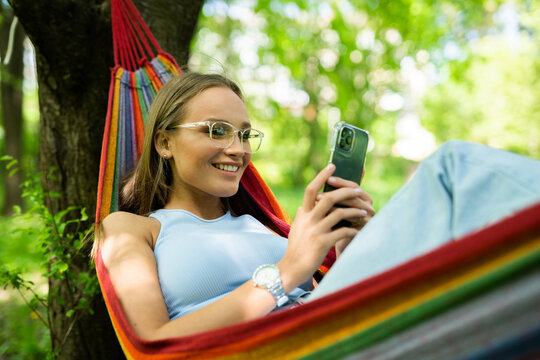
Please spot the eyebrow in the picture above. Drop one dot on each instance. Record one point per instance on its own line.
(244, 125)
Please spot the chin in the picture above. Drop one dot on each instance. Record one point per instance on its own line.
(228, 191)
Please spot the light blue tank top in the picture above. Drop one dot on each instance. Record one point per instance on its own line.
(199, 261)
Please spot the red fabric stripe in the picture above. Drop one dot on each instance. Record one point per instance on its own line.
(123, 44)
(280, 324)
(128, 42)
(415, 271)
(135, 14)
(251, 185)
(136, 47)
(115, 25)
(132, 39)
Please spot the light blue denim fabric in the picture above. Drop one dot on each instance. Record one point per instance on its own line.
(460, 188)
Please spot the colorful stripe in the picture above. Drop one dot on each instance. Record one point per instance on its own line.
(351, 321)
(130, 96)
(510, 312)
(362, 315)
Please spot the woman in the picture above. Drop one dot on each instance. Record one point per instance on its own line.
(181, 257)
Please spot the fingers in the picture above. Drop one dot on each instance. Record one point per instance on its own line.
(338, 182)
(326, 201)
(348, 197)
(358, 203)
(339, 214)
(344, 233)
(315, 185)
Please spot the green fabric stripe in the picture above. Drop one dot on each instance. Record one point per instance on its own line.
(150, 83)
(428, 309)
(140, 95)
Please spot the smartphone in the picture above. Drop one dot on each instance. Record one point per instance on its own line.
(348, 152)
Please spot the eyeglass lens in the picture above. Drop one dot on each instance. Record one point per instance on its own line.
(222, 135)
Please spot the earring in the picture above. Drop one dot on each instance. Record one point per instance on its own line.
(165, 156)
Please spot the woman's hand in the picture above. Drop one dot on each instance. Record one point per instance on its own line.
(363, 202)
(313, 232)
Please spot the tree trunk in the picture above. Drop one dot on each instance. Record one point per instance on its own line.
(12, 120)
(73, 43)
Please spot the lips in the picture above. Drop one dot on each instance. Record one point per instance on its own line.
(226, 167)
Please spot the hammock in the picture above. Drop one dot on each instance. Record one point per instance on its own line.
(391, 315)
(135, 80)
(476, 297)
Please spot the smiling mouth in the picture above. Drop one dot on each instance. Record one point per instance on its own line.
(229, 168)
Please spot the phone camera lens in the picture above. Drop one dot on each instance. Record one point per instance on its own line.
(345, 139)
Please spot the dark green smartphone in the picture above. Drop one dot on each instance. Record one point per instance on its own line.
(348, 152)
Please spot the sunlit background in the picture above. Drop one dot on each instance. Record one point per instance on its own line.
(413, 73)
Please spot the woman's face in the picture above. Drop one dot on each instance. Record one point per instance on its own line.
(198, 165)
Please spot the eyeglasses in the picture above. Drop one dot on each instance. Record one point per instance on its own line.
(222, 135)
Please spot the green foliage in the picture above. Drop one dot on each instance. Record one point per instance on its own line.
(452, 70)
(58, 238)
(22, 335)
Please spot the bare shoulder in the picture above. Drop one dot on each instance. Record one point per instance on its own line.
(123, 231)
(126, 251)
(124, 222)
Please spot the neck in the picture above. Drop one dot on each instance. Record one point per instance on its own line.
(205, 207)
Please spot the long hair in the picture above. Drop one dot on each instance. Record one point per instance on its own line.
(147, 187)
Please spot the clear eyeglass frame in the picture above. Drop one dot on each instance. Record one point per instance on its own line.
(252, 137)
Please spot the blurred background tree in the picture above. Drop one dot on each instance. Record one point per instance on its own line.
(414, 73)
(72, 42)
(11, 77)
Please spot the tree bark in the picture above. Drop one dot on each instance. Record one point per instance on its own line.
(12, 119)
(74, 52)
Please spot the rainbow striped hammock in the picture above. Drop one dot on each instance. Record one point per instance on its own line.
(476, 298)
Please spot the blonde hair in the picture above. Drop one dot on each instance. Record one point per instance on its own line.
(147, 188)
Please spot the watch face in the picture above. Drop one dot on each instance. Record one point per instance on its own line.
(267, 274)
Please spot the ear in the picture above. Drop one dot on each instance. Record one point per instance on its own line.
(162, 144)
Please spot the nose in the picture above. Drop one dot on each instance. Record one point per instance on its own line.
(236, 147)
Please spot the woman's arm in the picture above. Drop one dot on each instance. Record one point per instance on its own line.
(130, 262)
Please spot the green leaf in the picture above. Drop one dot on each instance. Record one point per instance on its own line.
(84, 215)
(12, 172)
(62, 266)
(11, 163)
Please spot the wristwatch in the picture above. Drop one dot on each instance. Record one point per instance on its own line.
(268, 276)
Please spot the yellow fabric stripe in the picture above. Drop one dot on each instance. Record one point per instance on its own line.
(319, 336)
(111, 149)
(333, 330)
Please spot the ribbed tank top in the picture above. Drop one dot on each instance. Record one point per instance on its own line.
(199, 261)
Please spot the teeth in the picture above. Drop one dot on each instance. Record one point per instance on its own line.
(226, 167)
